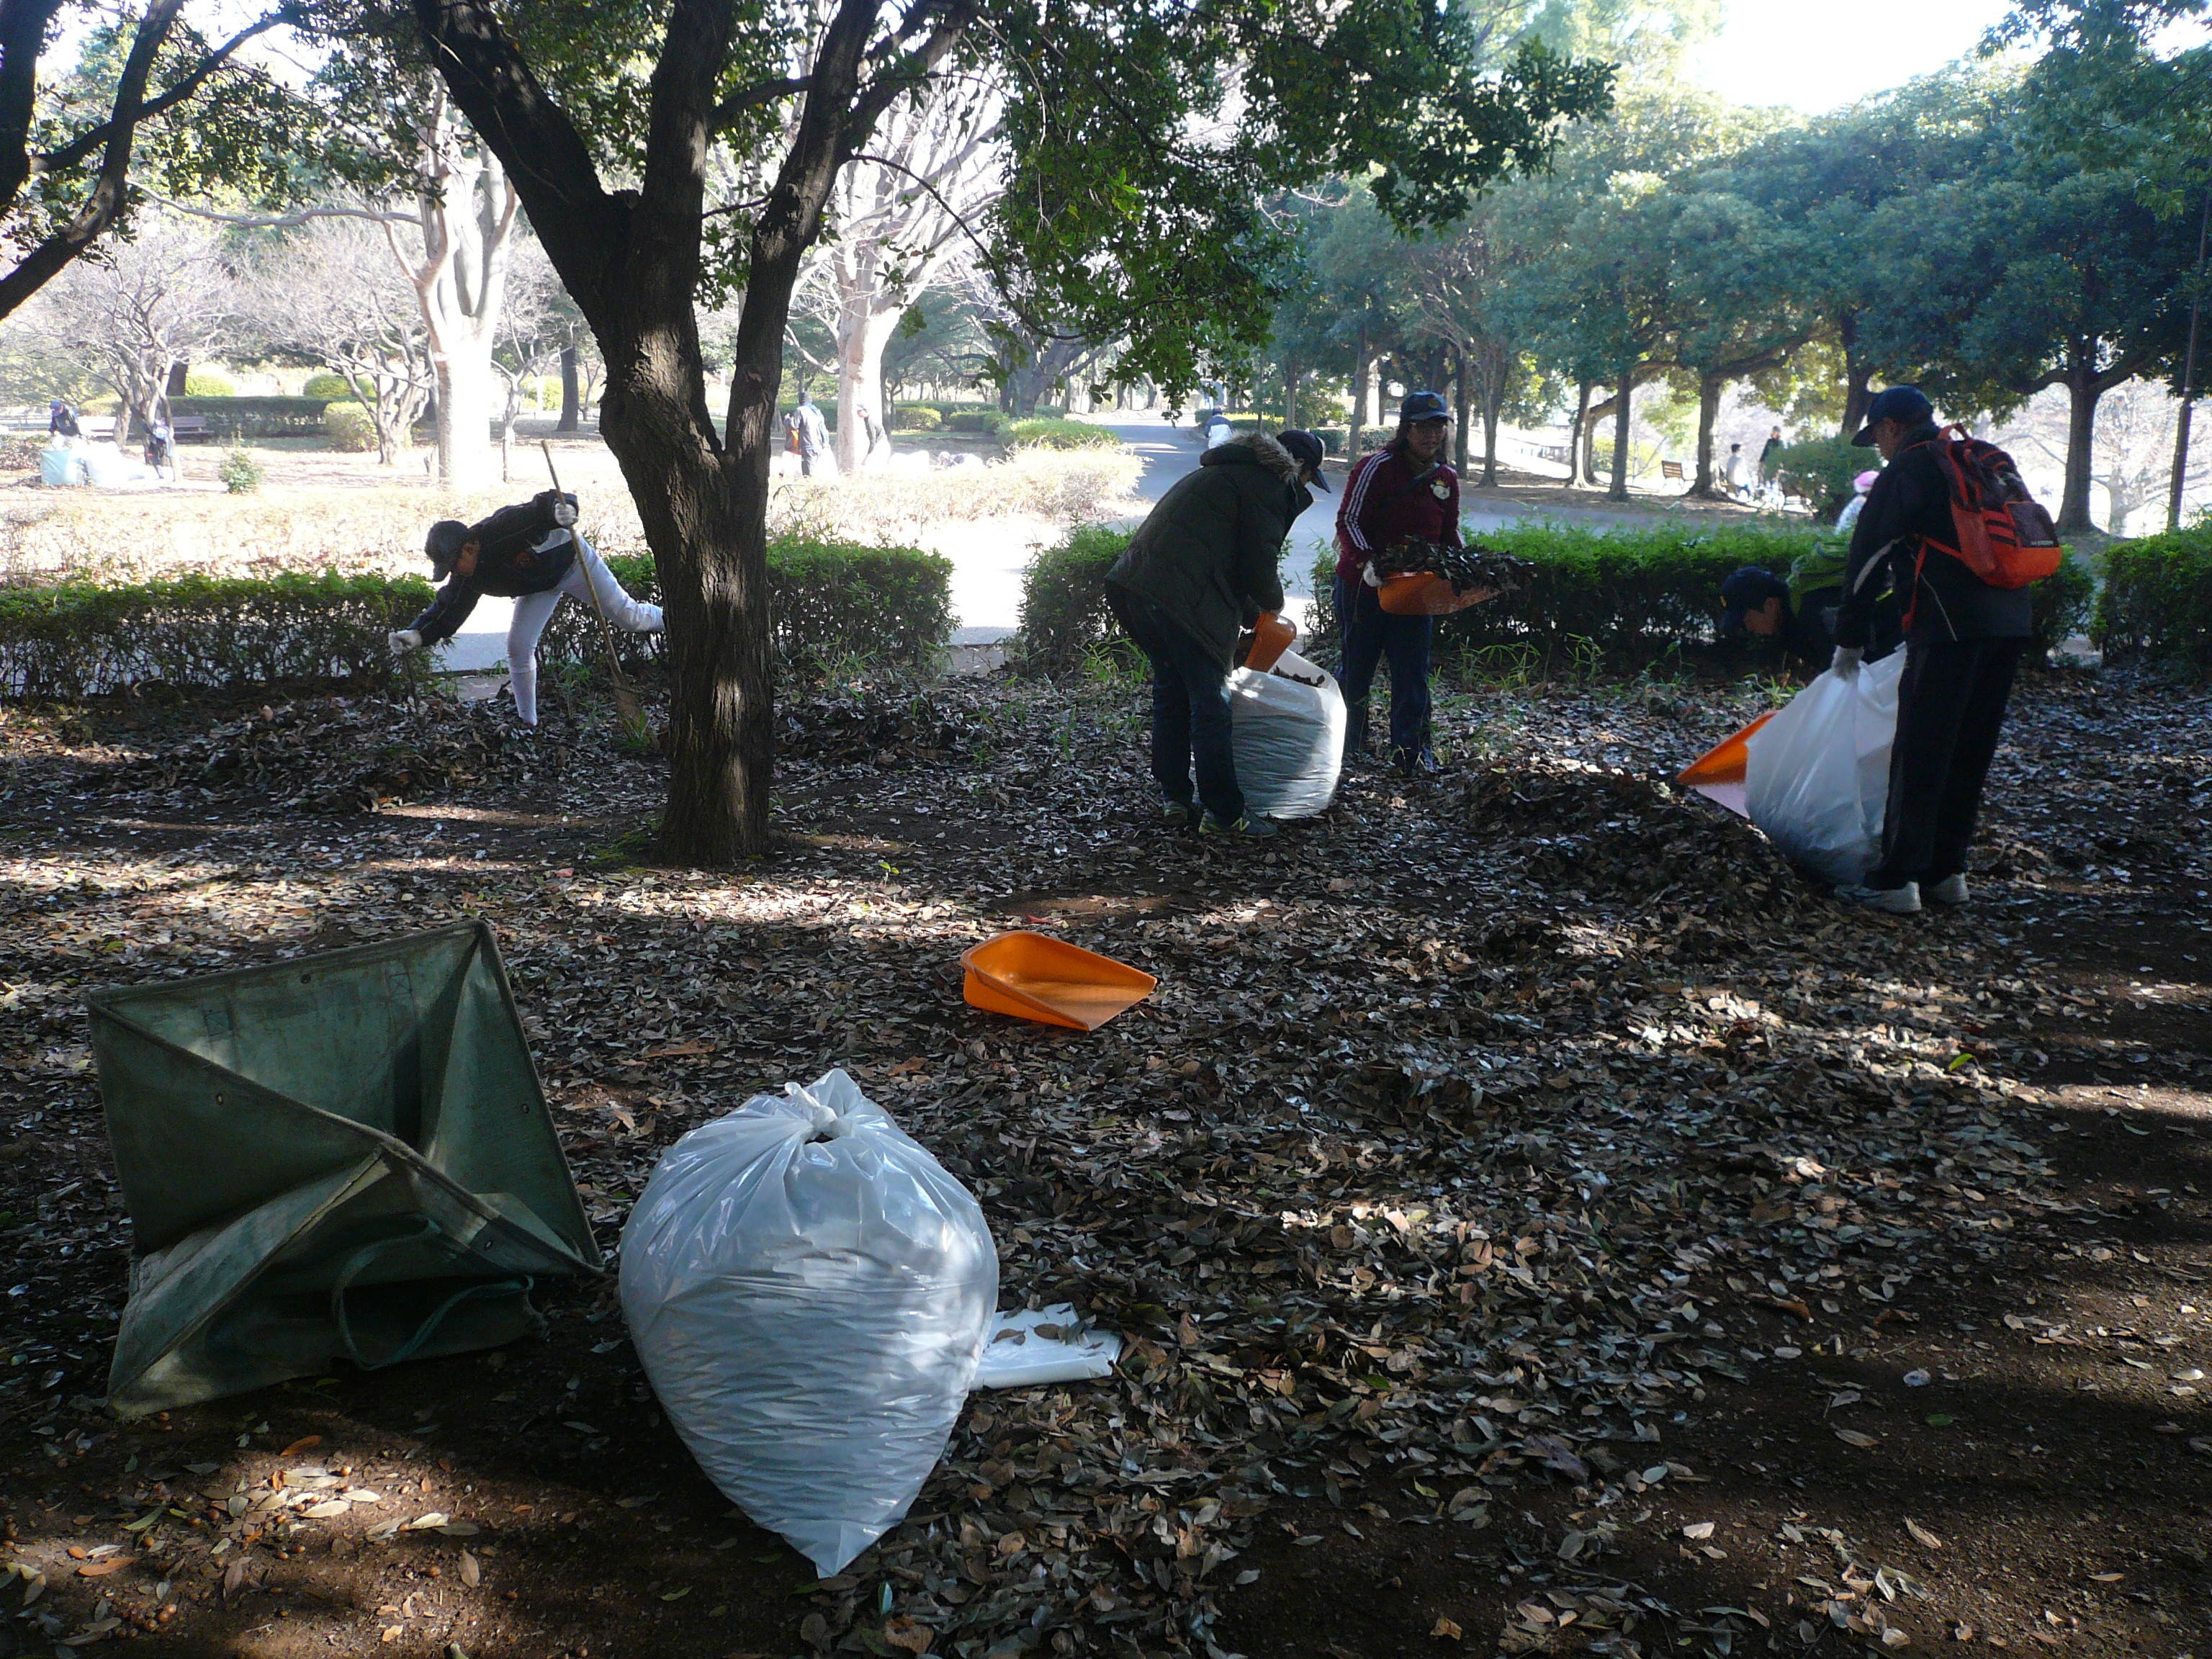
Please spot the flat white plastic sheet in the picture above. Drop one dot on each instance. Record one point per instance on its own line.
(1286, 727)
(1034, 1346)
(1816, 776)
(810, 1292)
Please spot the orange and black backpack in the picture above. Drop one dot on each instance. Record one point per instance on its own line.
(2001, 532)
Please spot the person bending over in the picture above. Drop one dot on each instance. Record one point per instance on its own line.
(532, 554)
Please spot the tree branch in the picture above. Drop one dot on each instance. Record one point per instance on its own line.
(900, 77)
(77, 148)
(766, 92)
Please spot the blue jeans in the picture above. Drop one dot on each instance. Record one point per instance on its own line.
(1190, 709)
(1372, 635)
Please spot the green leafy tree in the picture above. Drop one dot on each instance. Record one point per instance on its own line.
(1141, 143)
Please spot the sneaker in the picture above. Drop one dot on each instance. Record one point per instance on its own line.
(1179, 814)
(1255, 828)
(1897, 900)
(1416, 763)
(1952, 889)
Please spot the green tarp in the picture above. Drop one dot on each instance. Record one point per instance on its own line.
(344, 1155)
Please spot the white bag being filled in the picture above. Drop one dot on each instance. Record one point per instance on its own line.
(1286, 727)
(809, 1292)
(1816, 776)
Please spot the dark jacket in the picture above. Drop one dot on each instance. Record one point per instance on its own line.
(1387, 500)
(519, 549)
(1207, 554)
(1943, 599)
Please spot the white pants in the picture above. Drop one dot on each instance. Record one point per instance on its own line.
(586, 576)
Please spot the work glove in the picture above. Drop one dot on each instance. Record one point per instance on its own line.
(403, 641)
(564, 513)
(1845, 662)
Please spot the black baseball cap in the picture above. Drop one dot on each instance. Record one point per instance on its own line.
(1306, 450)
(1908, 404)
(444, 543)
(1747, 590)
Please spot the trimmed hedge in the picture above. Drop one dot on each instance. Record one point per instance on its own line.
(78, 639)
(2157, 599)
(1048, 432)
(832, 604)
(915, 417)
(977, 423)
(230, 419)
(1063, 614)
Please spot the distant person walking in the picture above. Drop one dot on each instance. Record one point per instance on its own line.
(1964, 641)
(871, 433)
(1770, 461)
(810, 432)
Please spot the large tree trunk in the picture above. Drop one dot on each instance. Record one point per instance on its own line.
(1358, 393)
(1858, 376)
(1492, 402)
(864, 327)
(1709, 387)
(1290, 392)
(468, 212)
(1461, 401)
(1574, 432)
(571, 404)
(1623, 402)
(466, 400)
(2083, 389)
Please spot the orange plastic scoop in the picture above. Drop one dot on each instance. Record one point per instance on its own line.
(1725, 761)
(1032, 976)
(1270, 636)
(1422, 594)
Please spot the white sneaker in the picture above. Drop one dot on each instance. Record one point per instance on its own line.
(1897, 900)
(1952, 889)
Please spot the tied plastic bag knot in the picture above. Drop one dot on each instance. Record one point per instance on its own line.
(824, 1122)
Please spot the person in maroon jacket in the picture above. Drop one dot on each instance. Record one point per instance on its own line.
(1405, 490)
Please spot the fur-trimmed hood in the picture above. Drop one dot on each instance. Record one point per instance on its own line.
(1254, 447)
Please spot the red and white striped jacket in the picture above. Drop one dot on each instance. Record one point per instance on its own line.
(1388, 498)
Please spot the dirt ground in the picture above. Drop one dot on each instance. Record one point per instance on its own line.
(1541, 1222)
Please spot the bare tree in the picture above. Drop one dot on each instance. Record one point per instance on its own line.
(144, 308)
(2133, 456)
(901, 214)
(334, 293)
(533, 330)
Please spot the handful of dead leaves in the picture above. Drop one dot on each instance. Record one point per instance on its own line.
(1464, 567)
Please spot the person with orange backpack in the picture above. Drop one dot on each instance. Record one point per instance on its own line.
(1951, 530)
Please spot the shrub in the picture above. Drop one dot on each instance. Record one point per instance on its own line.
(1334, 439)
(829, 603)
(209, 381)
(349, 428)
(1062, 486)
(915, 417)
(327, 385)
(240, 473)
(2062, 603)
(2157, 599)
(1064, 612)
(1045, 433)
(230, 419)
(76, 639)
(1820, 471)
(980, 422)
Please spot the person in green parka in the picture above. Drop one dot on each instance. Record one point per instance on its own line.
(1202, 567)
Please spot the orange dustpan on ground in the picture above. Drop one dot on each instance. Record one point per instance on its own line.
(1718, 773)
(1032, 976)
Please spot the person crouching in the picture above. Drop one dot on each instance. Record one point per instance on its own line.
(1202, 566)
(532, 554)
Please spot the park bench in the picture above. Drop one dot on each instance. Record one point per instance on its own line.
(1671, 470)
(182, 426)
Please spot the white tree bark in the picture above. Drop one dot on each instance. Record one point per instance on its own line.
(467, 210)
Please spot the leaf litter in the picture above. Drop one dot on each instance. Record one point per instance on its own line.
(1475, 1131)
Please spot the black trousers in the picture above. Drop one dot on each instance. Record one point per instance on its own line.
(1950, 707)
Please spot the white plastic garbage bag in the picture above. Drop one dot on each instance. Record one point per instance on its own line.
(809, 1292)
(1816, 776)
(1286, 727)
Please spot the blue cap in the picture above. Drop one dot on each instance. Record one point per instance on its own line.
(1908, 404)
(1421, 406)
(1747, 590)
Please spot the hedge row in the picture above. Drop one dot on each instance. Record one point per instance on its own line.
(232, 418)
(1048, 432)
(833, 606)
(1625, 599)
(77, 639)
(2157, 598)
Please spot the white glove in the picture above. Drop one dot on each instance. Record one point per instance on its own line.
(1845, 663)
(403, 641)
(564, 513)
